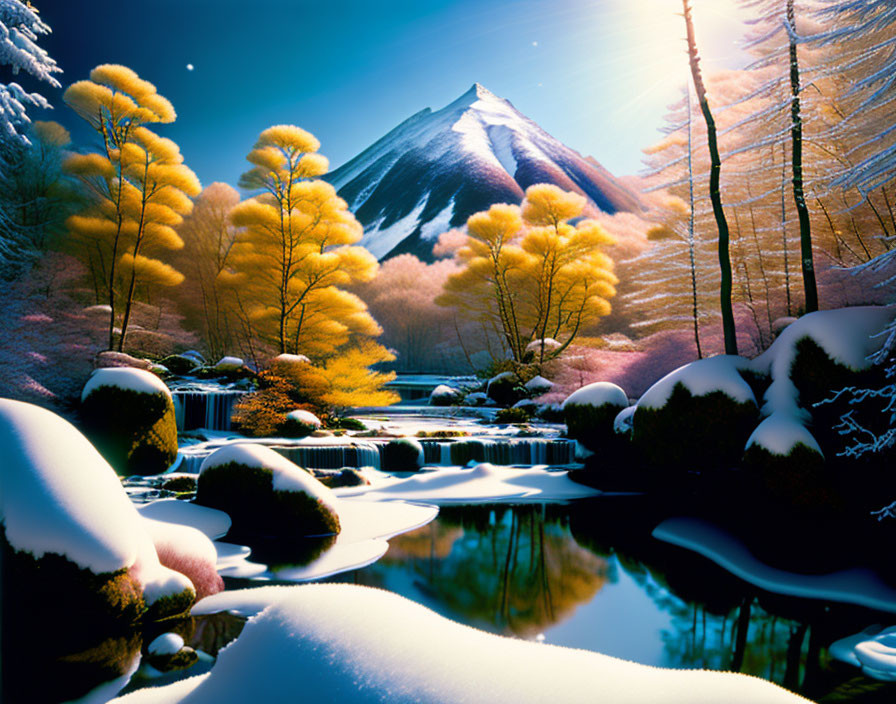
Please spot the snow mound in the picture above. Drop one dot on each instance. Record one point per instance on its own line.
(166, 644)
(597, 394)
(340, 642)
(187, 551)
(483, 484)
(307, 417)
(703, 377)
(59, 495)
(444, 395)
(853, 586)
(549, 344)
(127, 378)
(477, 398)
(874, 652)
(287, 476)
(780, 433)
(290, 359)
(210, 521)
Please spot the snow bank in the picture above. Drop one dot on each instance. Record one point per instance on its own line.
(210, 521)
(853, 586)
(339, 642)
(127, 378)
(59, 495)
(485, 483)
(872, 650)
(780, 433)
(597, 394)
(720, 373)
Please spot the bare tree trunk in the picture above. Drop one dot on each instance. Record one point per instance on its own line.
(691, 235)
(796, 131)
(714, 193)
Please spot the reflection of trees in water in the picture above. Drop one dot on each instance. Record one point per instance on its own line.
(513, 570)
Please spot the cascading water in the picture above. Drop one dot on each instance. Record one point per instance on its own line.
(204, 409)
(522, 451)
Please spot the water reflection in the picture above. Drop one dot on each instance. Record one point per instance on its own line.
(590, 576)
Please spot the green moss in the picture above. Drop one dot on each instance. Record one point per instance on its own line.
(505, 391)
(38, 593)
(180, 484)
(513, 415)
(135, 432)
(293, 428)
(183, 658)
(800, 480)
(345, 424)
(333, 478)
(693, 433)
(591, 425)
(247, 495)
(171, 606)
(178, 364)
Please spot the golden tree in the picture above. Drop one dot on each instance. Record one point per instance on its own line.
(294, 249)
(530, 274)
(139, 186)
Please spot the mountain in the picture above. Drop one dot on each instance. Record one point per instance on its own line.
(436, 169)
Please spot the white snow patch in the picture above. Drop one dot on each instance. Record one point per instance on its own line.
(873, 650)
(484, 483)
(549, 344)
(780, 433)
(379, 242)
(340, 642)
(501, 138)
(599, 393)
(127, 378)
(209, 521)
(166, 644)
(439, 224)
(852, 586)
(291, 359)
(720, 373)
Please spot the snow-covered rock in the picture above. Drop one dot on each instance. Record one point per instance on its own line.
(64, 512)
(229, 364)
(589, 413)
(300, 423)
(504, 389)
(266, 494)
(548, 345)
(165, 644)
(402, 455)
(697, 417)
(188, 551)
(873, 650)
(538, 385)
(340, 642)
(129, 415)
(444, 395)
(477, 398)
(289, 359)
(109, 358)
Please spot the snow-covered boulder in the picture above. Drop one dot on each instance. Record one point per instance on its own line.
(75, 550)
(873, 650)
(787, 462)
(129, 415)
(402, 455)
(697, 417)
(187, 550)
(229, 364)
(538, 385)
(444, 395)
(290, 359)
(265, 494)
(346, 643)
(477, 398)
(504, 389)
(546, 347)
(299, 424)
(589, 413)
(109, 358)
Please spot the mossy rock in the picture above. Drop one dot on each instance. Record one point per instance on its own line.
(293, 428)
(591, 425)
(247, 495)
(800, 480)
(693, 433)
(179, 364)
(182, 659)
(334, 478)
(517, 414)
(52, 594)
(179, 485)
(402, 455)
(136, 432)
(170, 605)
(505, 390)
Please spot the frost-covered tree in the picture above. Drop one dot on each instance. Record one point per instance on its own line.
(532, 275)
(20, 28)
(139, 189)
(295, 249)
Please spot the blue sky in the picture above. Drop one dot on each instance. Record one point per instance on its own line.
(597, 74)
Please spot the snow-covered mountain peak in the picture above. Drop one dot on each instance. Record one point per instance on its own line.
(437, 168)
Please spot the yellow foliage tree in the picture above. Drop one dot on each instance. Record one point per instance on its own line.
(294, 250)
(348, 381)
(139, 185)
(531, 274)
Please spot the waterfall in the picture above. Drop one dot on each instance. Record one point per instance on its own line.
(361, 454)
(522, 451)
(204, 409)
